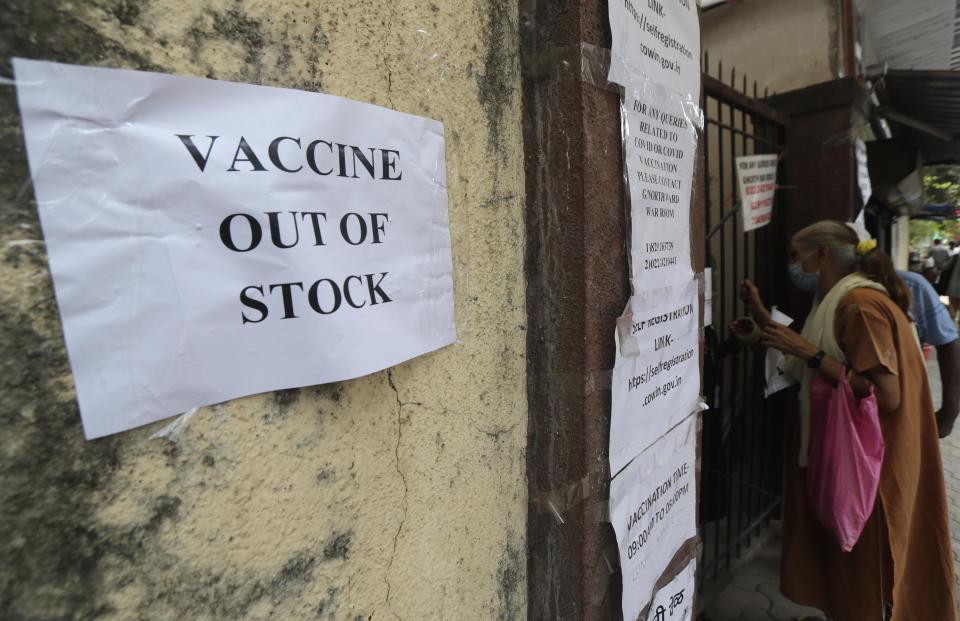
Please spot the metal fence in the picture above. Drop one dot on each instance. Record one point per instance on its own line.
(742, 474)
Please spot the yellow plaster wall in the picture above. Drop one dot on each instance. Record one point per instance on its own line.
(782, 44)
(401, 495)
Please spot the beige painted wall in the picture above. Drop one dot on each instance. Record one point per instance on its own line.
(783, 44)
(900, 242)
(397, 496)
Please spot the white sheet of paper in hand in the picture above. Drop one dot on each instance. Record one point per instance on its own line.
(775, 363)
(653, 504)
(210, 240)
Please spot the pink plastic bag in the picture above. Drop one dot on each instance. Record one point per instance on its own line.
(844, 458)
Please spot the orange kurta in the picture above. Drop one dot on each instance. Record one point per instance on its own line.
(906, 543)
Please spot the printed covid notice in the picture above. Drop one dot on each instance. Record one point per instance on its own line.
(656, 373)
(674, 602)
(660, 134)
(659, 39)
(210, 240)
(757, 180)
(653, 509)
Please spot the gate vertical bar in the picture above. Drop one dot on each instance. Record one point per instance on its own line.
(744, 126)
(737, 392)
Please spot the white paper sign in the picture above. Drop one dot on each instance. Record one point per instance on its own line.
(859, 225)
(656, 373)
(653, 509)
(210, 240)
(757, 179)
(776, 363)
(657, 38)
(863, 172)
(661, 142)
(674, 602)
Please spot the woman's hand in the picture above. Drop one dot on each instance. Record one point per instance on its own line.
(751, 296)
(781, 337)
(749, 293)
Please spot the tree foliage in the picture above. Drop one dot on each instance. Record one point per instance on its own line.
(922, 232)
(941, 185)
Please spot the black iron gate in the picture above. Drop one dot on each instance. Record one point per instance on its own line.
(742, 474)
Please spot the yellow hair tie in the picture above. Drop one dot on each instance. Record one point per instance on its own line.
(866, 246)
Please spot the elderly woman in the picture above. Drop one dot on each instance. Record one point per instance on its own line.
(859, 326)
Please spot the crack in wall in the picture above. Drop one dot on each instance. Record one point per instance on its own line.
(383, 55)
(111, 528)
(403, 479)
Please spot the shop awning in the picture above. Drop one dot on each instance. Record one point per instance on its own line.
(923, 107)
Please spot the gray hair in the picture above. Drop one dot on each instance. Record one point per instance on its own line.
(842, 242)
(834, 235)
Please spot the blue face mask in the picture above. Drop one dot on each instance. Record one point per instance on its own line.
(805, 281)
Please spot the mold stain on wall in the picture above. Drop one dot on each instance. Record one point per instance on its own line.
(310, 503)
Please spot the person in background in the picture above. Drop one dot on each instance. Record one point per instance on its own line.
(859, 327)
(940, 255)
(929, 271)
(954, 248)
(949, 286)
(936, 328)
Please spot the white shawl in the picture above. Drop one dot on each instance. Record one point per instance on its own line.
(819, 330)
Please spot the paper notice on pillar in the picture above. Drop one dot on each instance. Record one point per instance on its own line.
(863, 172)
(859, 225)
(657, 38)
(660, 141)
(656, 373)
(775, 365)
(757, 178)
(674, 602)
(210, 240)
(653, 509)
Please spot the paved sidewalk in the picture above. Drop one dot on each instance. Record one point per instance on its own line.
(754, 592)
(950, 452)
